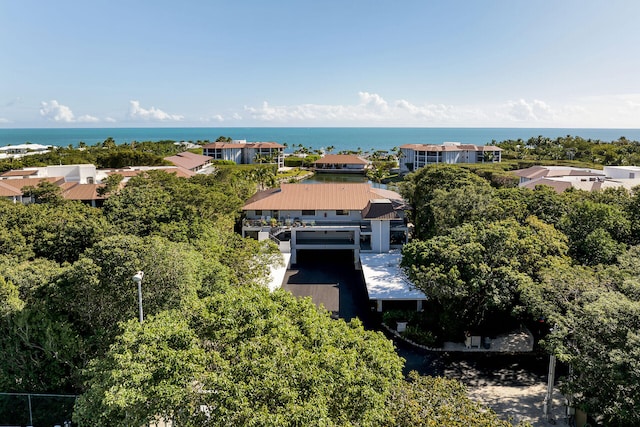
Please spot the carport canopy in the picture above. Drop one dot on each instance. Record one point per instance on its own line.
(386, 281)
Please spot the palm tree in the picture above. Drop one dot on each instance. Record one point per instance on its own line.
(378, 174)
(109, 143)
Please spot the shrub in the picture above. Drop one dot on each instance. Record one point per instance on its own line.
(293, 162)
(419, 335)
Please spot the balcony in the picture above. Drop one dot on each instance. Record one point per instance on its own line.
(268, 225)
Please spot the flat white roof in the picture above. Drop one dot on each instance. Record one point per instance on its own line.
(35, 147)
(385, 279)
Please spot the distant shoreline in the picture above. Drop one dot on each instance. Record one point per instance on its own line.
(341, 138)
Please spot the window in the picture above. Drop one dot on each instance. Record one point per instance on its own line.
(309, 212)
(342, 212)
(258, 212)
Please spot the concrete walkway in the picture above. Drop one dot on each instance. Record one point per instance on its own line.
(522, 403)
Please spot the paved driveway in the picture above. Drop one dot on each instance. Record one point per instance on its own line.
(329, 278)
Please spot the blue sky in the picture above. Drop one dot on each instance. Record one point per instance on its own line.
(490, 63)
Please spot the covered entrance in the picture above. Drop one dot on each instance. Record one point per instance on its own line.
(331, 280)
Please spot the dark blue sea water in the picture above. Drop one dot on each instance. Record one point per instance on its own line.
(316, 138)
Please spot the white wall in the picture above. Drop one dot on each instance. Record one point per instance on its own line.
(622, 172)
(73, 173)
(380, 236)
(408, 156)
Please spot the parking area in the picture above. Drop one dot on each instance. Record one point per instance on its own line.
(328, 277)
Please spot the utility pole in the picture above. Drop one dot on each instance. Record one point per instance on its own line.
(548, 399)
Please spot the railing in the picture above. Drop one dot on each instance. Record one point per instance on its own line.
(286, 225)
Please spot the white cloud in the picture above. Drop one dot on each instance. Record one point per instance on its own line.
(88, 119)
(373, 101)
(57, 112)
(535, 111)
(371, 109)
(3, 120)
(215, 118)
(151, 114)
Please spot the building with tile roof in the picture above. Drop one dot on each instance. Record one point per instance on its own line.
(416, 156)
(336, 216)
(246, 153)
(85, 193)
(10, 192)
(561, 178)
(537, 172)
(191, 161)
(77, 182)
(84, 173)
(366, 221)
(12, 188)
(341, 163)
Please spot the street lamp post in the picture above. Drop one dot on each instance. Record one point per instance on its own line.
(137, 278)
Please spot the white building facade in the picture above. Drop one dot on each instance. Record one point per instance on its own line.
(245, 153)
(341, 216)
(416, 156)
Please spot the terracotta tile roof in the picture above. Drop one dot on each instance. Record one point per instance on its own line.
(23, 182)
(13, 187)
(8, 191)
(460, 147)
(423, 147)
(317, 197)
(76, 191)
(225, 145)
(558, 186)
(243, 145)
(189, 160)
(343, 159)
(20, 172)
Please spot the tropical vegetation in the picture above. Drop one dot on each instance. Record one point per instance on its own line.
(215, 347)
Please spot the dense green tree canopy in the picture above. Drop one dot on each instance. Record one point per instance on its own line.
(419, 188)
(595, 318)
(252, 358)
(436, 401)
(573, 148)
(563, 259)
(476, 271)
(218, 349)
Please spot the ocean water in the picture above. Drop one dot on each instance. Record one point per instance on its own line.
(364, 139)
